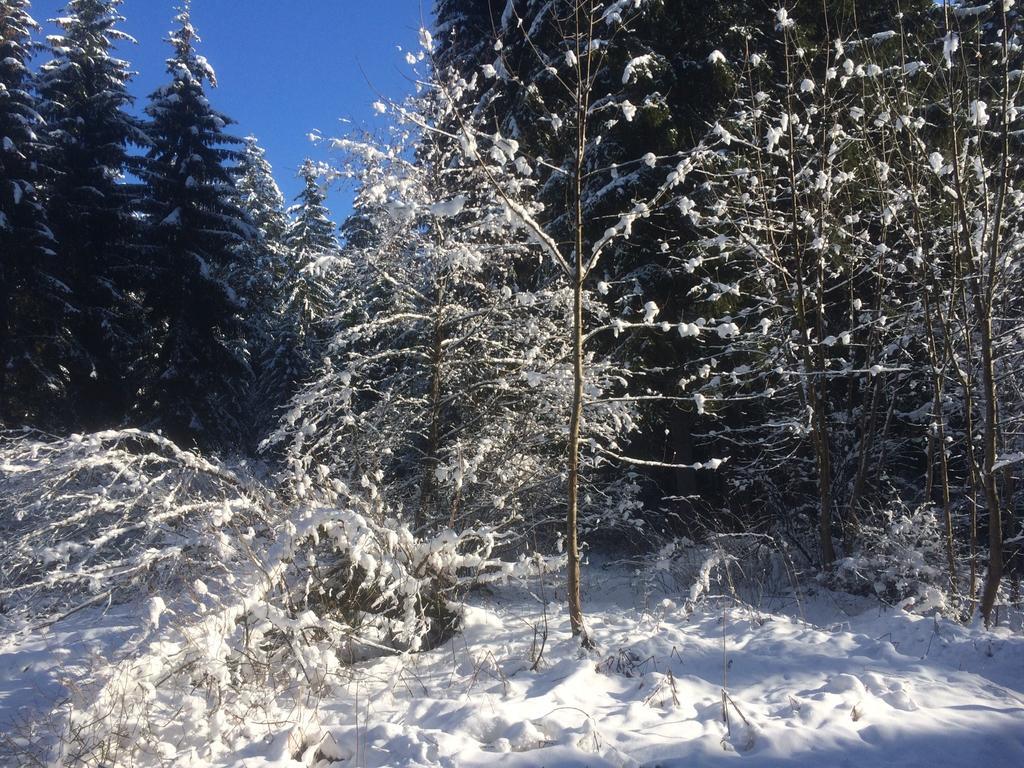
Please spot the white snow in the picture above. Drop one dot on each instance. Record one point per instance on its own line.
(650, 312)
(950, 45)
(426, 39)
(637, 66)
(978, 112)
(727, 330)
(449, 208)
(682, 676)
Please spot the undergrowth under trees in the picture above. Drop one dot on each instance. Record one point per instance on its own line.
(813, 302)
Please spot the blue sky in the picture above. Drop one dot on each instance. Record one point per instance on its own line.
(285, 67)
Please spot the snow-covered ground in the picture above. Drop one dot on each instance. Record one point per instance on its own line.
(817, 680)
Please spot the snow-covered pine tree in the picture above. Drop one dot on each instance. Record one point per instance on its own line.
(199, 369)
(261, 273)
(259, 194)
(92, 210)
(312, 249)
(34, 341)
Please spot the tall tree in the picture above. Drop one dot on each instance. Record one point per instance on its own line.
(33, 338)
(260, 274)
(92, 210)
(555, 62)
(260, 196)
(194, 388)
(312, 247)
(447, 387)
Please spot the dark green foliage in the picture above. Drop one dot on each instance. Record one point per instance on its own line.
(312, 252)
(260, 272)
(148, 288)
(92, 210)
(33, 338)
(198, 369)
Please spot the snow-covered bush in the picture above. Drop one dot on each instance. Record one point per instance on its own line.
(337, 586)
(744, 567)
(900, 556)
(98, 516)
(374, 586)
(269, 602)
(121, 514)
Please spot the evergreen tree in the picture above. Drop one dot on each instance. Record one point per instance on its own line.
(313, 254)
(261, 274)
(194, 389)
(33, 340)
(92, 210)
(259, 194)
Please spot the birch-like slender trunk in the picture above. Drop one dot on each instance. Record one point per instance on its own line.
(813, 365)
(428, 488)
(578, 370)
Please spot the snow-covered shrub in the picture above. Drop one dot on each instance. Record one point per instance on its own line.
(101, 516)
(740, 566)
(900, 557)
(338, 585)
(243, 603)
(123, 514)
(375, 585)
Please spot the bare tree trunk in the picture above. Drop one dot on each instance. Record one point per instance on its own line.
(429, 483)
(575, 604)
(984, 280)
(964, 378)
(995, 518)
(812, 363)
(937, 445)
(988, 375)
(571, 522)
